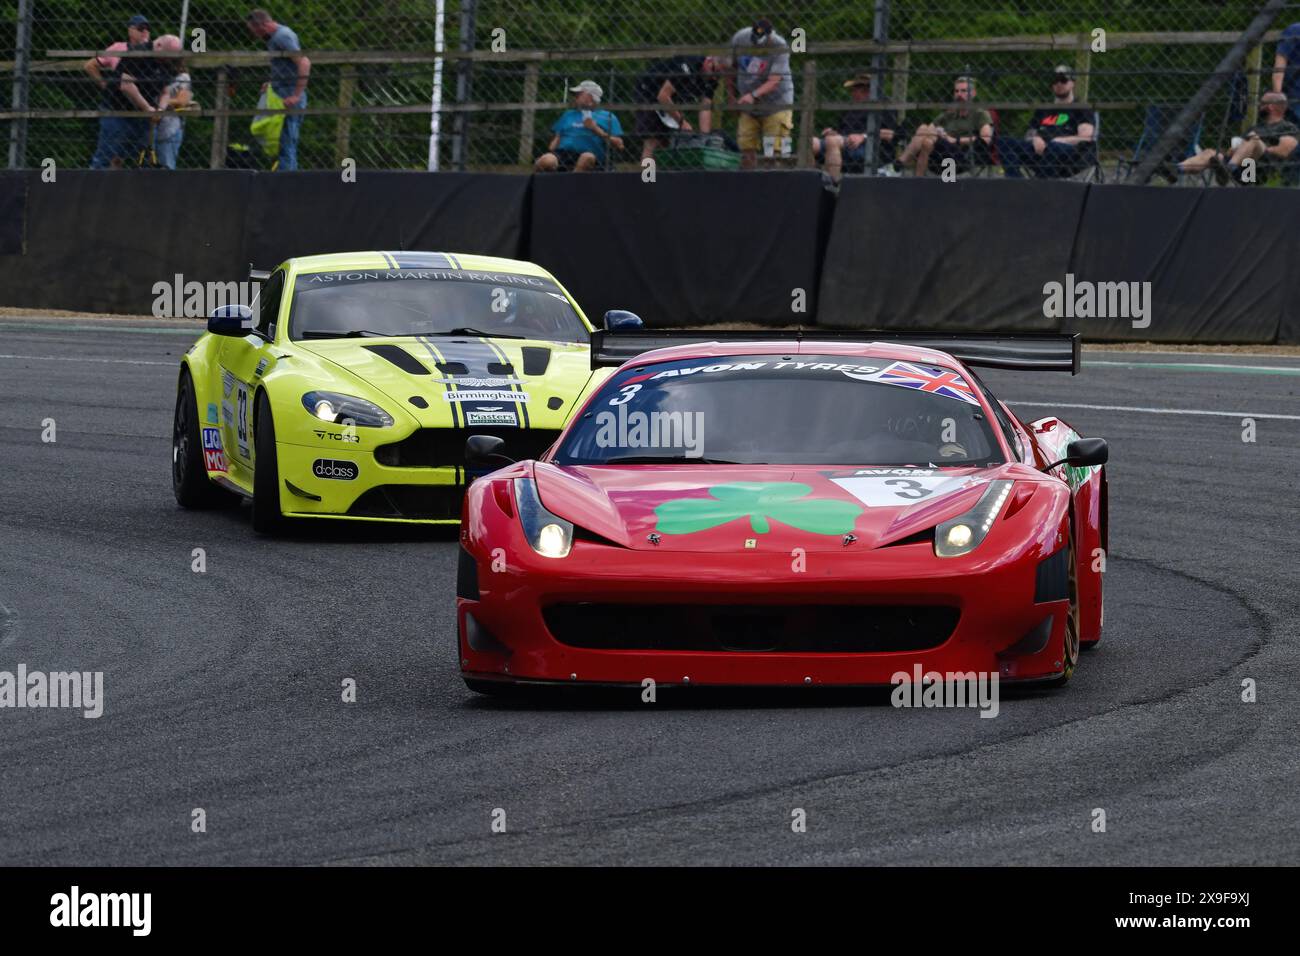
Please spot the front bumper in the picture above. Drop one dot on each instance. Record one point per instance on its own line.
(507, 616)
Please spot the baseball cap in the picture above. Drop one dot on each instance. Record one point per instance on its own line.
(1062, 72)
(139, 20)
(761, 30)
(858, 79)
(589, 86)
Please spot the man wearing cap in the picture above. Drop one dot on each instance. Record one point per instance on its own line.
(581, 134)
(289, 76)
(761, 85)
(1272, 140)
(844, 148)
(671, 84)
(1061, 140)
(120, 137)
(961, 134)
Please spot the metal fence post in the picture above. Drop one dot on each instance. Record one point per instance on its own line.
(528, 117)
(464, 77)
(880, 34)
(22, 77)
(343, 132)
(220, 123)
(807, 109)
(1254, 61)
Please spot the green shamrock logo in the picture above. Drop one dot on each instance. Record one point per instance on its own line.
(757, 501)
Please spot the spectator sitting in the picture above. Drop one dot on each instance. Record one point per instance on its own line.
(1060, 141)
(581, 133)
(961, 134)
(672, 83)
(762, 85)
(846, 146)
(1286, 69)
(1273, 138)
(289, 77)
(119, 136)
(176, 95)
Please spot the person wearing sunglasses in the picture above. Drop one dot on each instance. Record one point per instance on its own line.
(1061, 140)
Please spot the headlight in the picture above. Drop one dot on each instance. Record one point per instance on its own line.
(346, 410)
(550, 536)
(962, 535)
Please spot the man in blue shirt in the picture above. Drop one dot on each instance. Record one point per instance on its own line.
(581, 134)
(288, 79)
(1286, 69)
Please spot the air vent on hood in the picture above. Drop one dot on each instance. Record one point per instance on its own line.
(500, 368)
(535, 360)
(453, 368)
(400, 357)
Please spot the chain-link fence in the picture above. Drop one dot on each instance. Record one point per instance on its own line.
(478, 84)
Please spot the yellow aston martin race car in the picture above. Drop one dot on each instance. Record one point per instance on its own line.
(349, 387)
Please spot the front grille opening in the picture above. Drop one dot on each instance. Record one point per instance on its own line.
(423, 502)
(445, 447)
(752, 628)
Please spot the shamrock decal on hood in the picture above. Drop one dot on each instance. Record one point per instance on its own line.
(758, 501)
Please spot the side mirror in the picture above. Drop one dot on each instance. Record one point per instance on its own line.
(236, 320)
(1084, 452)
(619, 320)
(485, 450)
(1087, 451)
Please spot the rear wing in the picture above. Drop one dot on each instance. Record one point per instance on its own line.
(1020, 351)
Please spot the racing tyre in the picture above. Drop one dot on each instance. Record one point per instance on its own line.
(190, 482)
(1070, 649)
(267, 518)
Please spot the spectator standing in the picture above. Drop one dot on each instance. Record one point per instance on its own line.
(760, 83)
(581, 133)
(1286, 69)
(672, 84)
(177, 96)
(961, 133)
(289, 77)
(1061, 140)
(142, 82)
(119, 137)
(844, 147)
(1272, 140)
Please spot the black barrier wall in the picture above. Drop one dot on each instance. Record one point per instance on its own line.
(688, 249)
(314, 212)
(100, 241)
(691, 248)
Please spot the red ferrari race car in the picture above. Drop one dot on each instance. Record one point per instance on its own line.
(819, 509)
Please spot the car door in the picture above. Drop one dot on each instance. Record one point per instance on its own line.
(242, 362)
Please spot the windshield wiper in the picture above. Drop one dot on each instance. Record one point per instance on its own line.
(351, 334)
(466, 330)
(667, 460)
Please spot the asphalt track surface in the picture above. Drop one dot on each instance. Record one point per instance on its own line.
(222, 689)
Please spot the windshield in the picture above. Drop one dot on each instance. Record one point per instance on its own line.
(431, 302)
(773, 409)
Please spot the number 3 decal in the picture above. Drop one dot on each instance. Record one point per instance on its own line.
(627, 392)
(912, 491)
